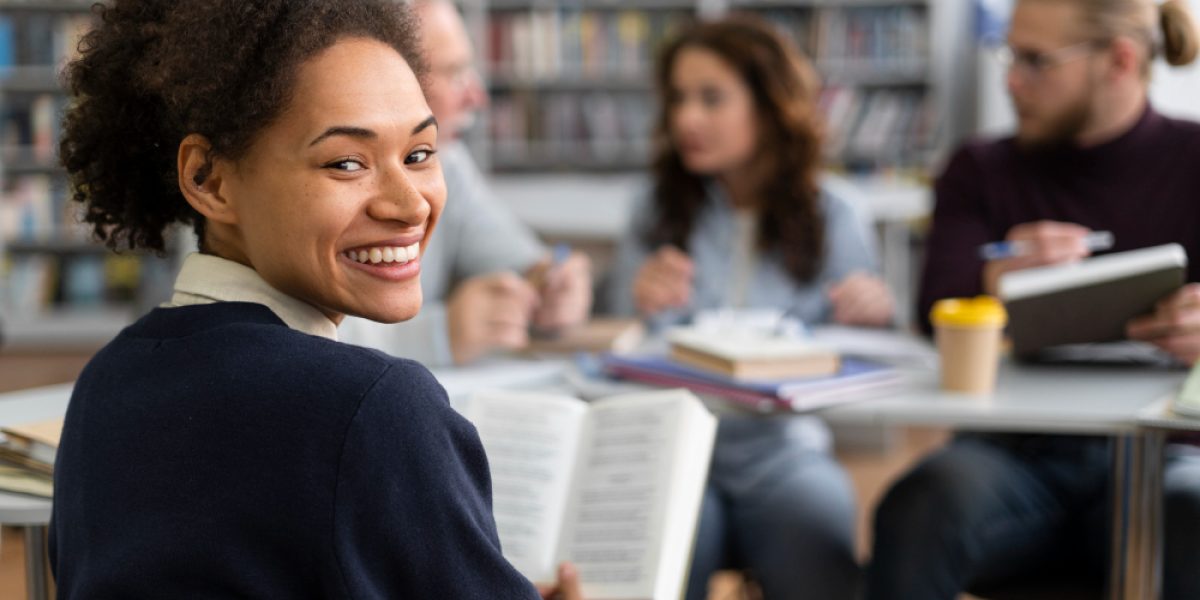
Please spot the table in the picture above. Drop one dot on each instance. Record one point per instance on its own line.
(28, 513)
(1156, 421)
(1079, 400)
(1064, 400)
(1126, 404)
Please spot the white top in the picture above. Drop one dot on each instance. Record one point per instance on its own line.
(745, 256)
(207, 279)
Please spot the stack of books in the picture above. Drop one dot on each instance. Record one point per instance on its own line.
(765, 372)
(27, 457)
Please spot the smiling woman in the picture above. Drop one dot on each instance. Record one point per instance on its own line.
(226, 444)
(345, 168)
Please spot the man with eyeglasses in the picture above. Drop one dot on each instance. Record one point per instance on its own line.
(1089, 154)
(485, 276)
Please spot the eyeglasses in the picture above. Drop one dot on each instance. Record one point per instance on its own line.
(1036, 64)
(457, 75)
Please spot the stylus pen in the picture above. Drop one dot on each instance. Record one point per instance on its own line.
(1095, 241)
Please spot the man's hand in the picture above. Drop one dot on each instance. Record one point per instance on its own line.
(664, 281)
(489, 312)
(566, 292)
(566, 588)
(862, 299)
(1044, 243)
(1174, 326)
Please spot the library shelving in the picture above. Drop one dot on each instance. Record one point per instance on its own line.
(58, 286)
(571, 80)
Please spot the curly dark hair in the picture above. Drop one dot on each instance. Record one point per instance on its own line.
(155, 71)
(784, 86)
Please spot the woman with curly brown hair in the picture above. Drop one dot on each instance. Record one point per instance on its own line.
(226, 445)
(736, 218)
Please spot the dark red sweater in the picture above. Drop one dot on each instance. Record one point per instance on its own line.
(1143, 186)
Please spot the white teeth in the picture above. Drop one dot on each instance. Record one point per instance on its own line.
(385, 254)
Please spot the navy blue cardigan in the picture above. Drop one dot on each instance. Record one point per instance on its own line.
(211, 451)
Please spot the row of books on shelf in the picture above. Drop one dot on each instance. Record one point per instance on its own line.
(891, 126)
(32, 38)
(34, 208)
(39, 283)
(598, 126)
(856, 42)
(862, 125)
(569, 43)
(542, 44)
(30, 128)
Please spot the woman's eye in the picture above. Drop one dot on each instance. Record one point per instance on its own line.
(418, 157)
(712, 98)
(348, 165)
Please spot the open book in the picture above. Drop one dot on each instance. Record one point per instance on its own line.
(1089, 301)
(613, 486)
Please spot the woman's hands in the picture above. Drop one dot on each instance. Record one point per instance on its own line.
(862, 299)
(664, 281)
(566, 588)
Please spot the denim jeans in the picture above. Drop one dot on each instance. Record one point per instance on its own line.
(989, 509)
(780, 507)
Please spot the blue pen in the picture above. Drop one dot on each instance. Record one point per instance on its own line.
(1094, 241)
(560, 254)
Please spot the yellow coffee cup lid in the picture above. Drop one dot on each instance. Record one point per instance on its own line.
(969, 312)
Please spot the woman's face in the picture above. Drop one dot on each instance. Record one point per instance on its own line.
(335, 200)
(712, 117)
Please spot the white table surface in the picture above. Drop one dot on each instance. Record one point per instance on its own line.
(1160, 415)
(22, 407)
(1027, 399)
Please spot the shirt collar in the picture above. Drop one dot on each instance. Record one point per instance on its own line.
(206, 279)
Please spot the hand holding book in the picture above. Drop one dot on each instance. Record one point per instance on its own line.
(1094, 300)
(567, 587)
(1174, 326)
(1035, 244)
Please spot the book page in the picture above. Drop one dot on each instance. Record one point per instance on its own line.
(618, 531)
(531, 442)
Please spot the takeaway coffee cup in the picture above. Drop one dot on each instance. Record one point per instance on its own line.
(968, 332)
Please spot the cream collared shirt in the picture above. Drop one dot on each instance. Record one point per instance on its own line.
(206, 279)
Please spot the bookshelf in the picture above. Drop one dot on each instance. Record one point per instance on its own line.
(59, 288)
(571, 80)
(570, 83)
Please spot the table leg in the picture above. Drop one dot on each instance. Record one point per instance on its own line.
(1137, 470)
(36, 580)
(897, 267)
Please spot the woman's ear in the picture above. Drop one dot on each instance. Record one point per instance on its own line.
(200, 183)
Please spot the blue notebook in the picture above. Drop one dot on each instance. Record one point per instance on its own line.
(854, 377)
